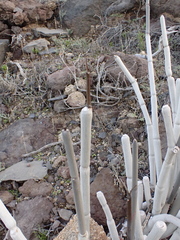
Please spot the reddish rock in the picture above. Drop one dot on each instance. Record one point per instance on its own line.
(32, 11)
(32, 188)
(61, 78)
(32, 213)
(115, 198)
(138, 67)
(63, 172)
(6, 197)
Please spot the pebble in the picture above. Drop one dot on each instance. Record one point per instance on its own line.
(102, 135)
(65, 214)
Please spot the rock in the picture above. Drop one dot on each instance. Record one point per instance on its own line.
(58, 161)
(102, 135)
(63, 172)
(23, 171)
(55, 225)
(36, 45)
(115, 198)
(30, 11)
(59, 106)
(61, 78)
(70, 197)
(32, 188)
(6, 197)
(69, 89)
(45, 32)
(18, 16)
(48, 51)
(3, 49)
(32, 213)
(80, 15)
(31, 134)
(76, 99)
(70, 232)
(3, 156)
(81, 83)
(138, 67)
(160, 7)
(6, 10)
(3, 26)
(65, 214)
(120, 6)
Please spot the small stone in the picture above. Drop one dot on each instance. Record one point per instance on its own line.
(59, 106)
(38, 45)
(45, 32)
(32, 188)
(81, 83)
(70, 197)
(69, 89)
(76, 99)
(102, 135)
(69, 56)
(3, 49)
(55, 224)
(58, 161)
(6, 197)
(63, 172)
(48, 51)
(65, 214)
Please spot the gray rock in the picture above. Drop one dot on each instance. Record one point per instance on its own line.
(120, 6)
(3, 49)
(102, 135)
(32, 213)
(32, 188)
(61, 78)
(48, 51)
(24, 136)
(45, 32)
(80, 15)
(36, 45)
(65, 214)
(23, 171)
(161, 7)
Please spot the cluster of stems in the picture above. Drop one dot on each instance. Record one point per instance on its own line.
(164, 183)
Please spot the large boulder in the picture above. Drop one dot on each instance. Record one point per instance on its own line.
(80, 15)
(159, 7)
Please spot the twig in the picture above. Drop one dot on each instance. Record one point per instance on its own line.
(44, 147)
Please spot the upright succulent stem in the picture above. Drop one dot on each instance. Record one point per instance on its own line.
(83, 234)
(156, 138)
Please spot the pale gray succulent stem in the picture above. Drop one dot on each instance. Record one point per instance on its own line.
(154, 108)
(75, 183)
